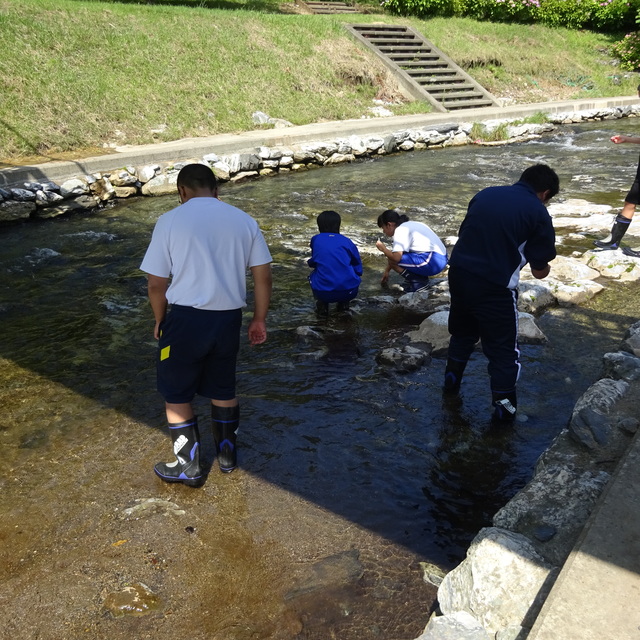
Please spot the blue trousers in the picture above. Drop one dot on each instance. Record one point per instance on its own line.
(488, 312)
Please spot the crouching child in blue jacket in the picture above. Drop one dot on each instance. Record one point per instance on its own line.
(336, 264)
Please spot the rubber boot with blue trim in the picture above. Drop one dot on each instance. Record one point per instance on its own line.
(225, 421)
(505, 407)
(186, 447)
(620, 226)
(453, 376)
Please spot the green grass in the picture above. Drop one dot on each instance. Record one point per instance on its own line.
(78, 74)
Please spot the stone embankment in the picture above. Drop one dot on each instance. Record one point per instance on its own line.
(46, 199)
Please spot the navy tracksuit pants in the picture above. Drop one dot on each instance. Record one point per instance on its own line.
(481, 310)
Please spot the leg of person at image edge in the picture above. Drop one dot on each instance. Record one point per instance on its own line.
(186, 448)
(225, 422)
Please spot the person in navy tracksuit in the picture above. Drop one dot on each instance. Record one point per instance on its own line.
(336, 264)
(505, 228)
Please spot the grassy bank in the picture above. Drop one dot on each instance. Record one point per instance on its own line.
(76, 75)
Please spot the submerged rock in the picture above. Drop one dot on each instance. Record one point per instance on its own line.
(136, 600)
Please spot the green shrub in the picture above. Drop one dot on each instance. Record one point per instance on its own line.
(423, 8)
(614, 15)
(573, 14)
(601, 15)
(502, 10)
(628, 51)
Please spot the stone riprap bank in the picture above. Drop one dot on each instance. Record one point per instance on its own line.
(36, 200)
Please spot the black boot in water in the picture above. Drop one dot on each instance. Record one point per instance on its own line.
(453, 376)
(505, 406)
(618, 230)
(186, 447)
(225, 421)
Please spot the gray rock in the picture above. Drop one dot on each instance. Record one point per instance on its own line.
(621, 366)
(13, 210)
(459, 625)
(534, 297)
(528, 330)
(631, 340)
(148, 172)
(161, 185)
(74, 187)
(333, 571)
(79, 204)
(339, 158)
(403, 359)
(552, 509)
(601, 395)
(614, 264)
(434, 332)
(502, 582)
(122, 179)
(23, 195)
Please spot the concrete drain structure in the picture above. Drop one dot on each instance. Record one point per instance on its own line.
(330, 7)
(424, 72)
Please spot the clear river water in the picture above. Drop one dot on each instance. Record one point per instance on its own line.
(326, 434)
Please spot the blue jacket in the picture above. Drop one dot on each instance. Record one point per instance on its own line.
(505, 227)
(336, 263)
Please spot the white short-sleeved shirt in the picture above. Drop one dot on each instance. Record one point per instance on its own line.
(206, 246)
(416, 237)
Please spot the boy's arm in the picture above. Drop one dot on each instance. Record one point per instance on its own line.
(262, 285)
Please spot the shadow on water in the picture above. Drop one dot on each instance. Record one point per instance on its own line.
(320, 419)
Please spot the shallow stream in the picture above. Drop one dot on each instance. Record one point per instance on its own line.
(321, 421)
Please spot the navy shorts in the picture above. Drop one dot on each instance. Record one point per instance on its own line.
(197, 353)
(634, 193)
(344, 295)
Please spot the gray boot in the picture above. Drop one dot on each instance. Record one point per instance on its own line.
(186, 447)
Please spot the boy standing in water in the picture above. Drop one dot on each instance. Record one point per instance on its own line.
(336, 264)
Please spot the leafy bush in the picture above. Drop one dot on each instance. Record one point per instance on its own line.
(601, 15)
(573, 14)
(503, 10)
(628, 51)
(423, 8)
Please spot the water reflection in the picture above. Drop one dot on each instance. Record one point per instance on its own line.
(320, 418)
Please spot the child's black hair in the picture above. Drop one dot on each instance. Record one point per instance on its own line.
(329, 222)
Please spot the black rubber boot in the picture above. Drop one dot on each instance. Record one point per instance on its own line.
(225, 421)
(505, 407)
(620, 226)
(186, 447)
(453, 376)
(322, 308)
(631, 252)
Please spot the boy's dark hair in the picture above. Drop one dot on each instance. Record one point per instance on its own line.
(329, 222)
(541, 178)
(391, 216)
(196, 177)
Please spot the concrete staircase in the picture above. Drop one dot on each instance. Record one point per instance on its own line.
(329, 6)
(424, 72)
